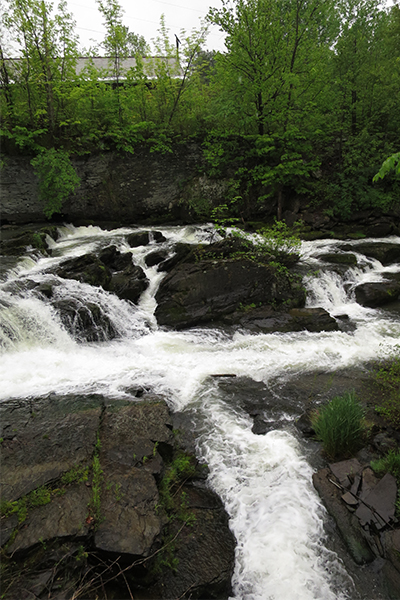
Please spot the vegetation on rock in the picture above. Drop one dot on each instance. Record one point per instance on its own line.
(386, 377)
(340, 426)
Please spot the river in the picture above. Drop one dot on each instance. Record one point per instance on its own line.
(265, 481)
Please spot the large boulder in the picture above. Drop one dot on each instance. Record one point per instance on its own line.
(375, 294)
(386, 252)
(204, 292)
(85, 321)
(112, 270)
(129, 284)
(209, 282)
(86, 269)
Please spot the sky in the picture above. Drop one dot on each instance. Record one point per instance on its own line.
(143, 17)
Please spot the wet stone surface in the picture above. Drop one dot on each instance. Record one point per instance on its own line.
(82, 476)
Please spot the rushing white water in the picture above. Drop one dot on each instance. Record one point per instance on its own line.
(264, 481)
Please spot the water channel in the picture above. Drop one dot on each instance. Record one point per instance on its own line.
(265, 481)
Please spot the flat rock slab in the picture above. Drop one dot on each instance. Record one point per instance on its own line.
(130, 523)
(65, 516)
(43, 439)
(346, 521)
(380, 504)
(345, 471)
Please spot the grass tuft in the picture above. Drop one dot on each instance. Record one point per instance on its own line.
(340, 426)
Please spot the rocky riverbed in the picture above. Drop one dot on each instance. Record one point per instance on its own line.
(104, 493)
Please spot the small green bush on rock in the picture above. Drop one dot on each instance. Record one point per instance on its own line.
(340, 426)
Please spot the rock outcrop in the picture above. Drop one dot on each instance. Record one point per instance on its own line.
(363, 507)
(213, 281)
(84, 484)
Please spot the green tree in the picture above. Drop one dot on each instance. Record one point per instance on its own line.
(48, 49)
(275, 65)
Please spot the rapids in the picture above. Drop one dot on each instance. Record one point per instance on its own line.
(264, 480)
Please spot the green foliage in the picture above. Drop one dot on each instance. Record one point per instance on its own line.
(391, 164)
(57, 179)
(180, 470)
(388, 464)
(77, 474)
(303, 103)
(279, 240)
(38, 497)
(386, 377)
(340, 426)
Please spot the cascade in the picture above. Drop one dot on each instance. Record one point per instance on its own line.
(263, 480)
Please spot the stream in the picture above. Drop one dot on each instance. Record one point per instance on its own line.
(265, 481)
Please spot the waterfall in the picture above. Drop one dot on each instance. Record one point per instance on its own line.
(264, 481)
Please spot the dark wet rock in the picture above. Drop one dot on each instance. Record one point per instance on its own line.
(129, 284)
(363, 508)
(313, 319)
(378, 506)
(181, 250)
(86, 269)
(45, 289)
(143, 238)
(41, 441)
(378, 293)
(350, 500)
(131, 433)
(345, 471)
(63, 518)
(114, 259)
(130, 520)
(206, 291)
(16, 243)
(304, 425)
(267, 320)
(339, 258)
(86, 322)
(155, 258)
(204, 552)
(138, 238)
(261, 427)
(158, 237)
(132, 444)
(379, 229)
(346, 521)
(368, 482)
(385, 252)
(391, 567)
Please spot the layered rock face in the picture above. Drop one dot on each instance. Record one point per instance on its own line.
(113, 187)
(82, 487)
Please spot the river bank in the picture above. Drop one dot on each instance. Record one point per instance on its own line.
(117, 189)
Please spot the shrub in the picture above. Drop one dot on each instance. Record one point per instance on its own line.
(57, 179)
(340, 426)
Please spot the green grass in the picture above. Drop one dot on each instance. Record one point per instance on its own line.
(386, 377)
(340, 426)
(388, 464)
